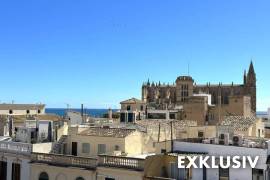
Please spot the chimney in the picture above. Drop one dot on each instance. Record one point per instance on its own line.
(82, 112)
(110, 113)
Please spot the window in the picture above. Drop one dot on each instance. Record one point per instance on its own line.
(38, 111)
(257, 174)
(101, 148)
(211, 117)
(224, 174)
(200, 134)
(226, 100)
(107, 178)
(3, 170)
(141, 107)
(16, 171)
(172, 116)
(123, 117)
(259, 133)
(116, 148)
(43, 176)
(131, 117)
(79, 178)
(27, 111)
(10, 111)
(128, 108)
(163, 151)
(74, 148)
(85, 148)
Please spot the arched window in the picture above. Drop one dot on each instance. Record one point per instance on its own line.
(79, 178)
(43, 176)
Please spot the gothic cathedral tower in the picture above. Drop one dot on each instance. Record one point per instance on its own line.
(250, 86)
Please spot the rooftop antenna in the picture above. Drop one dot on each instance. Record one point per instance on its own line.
(68, 106)
(188, 68)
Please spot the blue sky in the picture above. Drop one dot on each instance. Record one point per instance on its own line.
(99, 52)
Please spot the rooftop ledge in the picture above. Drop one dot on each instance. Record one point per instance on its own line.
(89, 163)
(16, 147)
(256, 143)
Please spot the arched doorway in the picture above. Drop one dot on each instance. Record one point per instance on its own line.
(43, 176)
(79, 178)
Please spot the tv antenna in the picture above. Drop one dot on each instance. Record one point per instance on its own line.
(188, 68)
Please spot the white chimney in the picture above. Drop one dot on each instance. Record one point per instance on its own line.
(110, 113)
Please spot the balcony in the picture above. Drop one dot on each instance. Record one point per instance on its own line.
(89, 163)
(121, 162)
(15, 147)
(65, 160)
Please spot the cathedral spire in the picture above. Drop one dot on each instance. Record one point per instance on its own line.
(251, 68)
(245, 77)
(251, 76)
(148, 82)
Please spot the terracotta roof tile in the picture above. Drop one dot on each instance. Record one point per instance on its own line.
(107, 132)
(239, 123)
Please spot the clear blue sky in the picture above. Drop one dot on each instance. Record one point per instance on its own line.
(99, 52)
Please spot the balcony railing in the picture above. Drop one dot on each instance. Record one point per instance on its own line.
(15, 147)
(121, 162)
(65, 160)
(89, 163)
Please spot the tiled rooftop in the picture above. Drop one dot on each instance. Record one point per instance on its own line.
(178, 124)
(131, 101)
(21, 106)
(239, 123)
(107, 132)
(22, 118)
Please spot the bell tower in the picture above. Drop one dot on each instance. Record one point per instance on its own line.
(184, 88)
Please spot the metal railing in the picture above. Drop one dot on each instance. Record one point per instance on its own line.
(16, 147)
(65, 160)
(121, 162)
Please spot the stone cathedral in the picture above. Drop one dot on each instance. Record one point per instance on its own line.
(216, 100)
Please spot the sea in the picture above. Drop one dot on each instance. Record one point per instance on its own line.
(101, 112)
(91, 112)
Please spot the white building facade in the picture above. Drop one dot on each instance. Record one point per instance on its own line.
(14, 160)
(260, 172)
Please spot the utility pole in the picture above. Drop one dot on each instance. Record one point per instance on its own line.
(158, 132)
(171, 136)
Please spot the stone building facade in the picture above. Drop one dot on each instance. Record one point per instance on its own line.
(204, 102)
